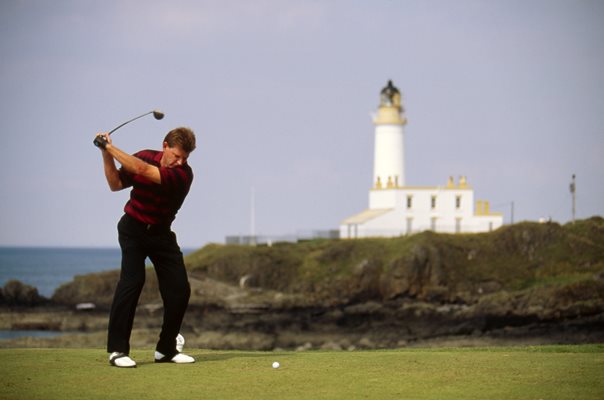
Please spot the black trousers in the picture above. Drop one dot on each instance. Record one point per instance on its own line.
(139, 241)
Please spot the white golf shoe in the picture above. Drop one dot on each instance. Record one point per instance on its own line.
(177, 359)
(180, 343)
(121, 360)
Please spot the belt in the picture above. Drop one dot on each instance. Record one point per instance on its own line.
(154, 228)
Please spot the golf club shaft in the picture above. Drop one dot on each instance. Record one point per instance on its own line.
(127, 122)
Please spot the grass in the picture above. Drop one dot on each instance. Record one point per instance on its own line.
(544, 372)
(554, 280)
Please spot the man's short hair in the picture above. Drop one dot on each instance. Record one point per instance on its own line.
(183, 137)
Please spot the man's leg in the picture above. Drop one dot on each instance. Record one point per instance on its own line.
(174, 288)
(128, 290)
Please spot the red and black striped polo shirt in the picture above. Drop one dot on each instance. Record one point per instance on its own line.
(153, 203)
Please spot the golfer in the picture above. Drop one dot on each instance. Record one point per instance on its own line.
(160, 181)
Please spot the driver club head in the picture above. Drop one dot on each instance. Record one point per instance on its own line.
(158, 114)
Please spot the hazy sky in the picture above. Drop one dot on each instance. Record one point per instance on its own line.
(508, 93)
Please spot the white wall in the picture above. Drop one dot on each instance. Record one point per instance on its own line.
(389, 153)
(445, 216)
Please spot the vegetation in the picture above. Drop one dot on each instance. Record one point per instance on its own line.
(16, 293)
(426, 266)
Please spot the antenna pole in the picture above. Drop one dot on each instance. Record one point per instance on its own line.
(573, 188)
(512, 214)
(253, 217)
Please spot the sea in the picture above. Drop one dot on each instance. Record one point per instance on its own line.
(47, 268)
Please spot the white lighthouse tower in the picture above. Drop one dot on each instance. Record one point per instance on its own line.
(397, 209)
(389, 154)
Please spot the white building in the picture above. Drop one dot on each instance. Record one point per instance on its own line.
(396, 209)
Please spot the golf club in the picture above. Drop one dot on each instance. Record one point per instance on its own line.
(99, 141)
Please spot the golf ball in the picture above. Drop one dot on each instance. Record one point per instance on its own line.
(276, 364)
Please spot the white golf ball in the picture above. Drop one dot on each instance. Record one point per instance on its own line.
(276, 364)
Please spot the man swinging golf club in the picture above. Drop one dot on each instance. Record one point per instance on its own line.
(160, 181)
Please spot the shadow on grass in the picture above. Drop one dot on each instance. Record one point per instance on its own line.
(227, 356)
(214, 357)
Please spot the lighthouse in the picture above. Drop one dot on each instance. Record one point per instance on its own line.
(396, 209)
(389, 149)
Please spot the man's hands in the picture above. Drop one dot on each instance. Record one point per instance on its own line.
(102, 140)
(130, 163)
(111, 172)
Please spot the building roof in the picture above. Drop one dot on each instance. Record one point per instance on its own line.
(426, 188)
(366, 215)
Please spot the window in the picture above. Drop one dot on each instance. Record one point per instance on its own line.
(433, 224)
(409, 201)
(433, 202)
(457, 202)
(457, 225)
(409, 225)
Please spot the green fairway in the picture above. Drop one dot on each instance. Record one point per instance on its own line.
(548, 372)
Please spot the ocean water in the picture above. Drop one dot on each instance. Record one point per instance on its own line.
(46, 268)
(18, 334)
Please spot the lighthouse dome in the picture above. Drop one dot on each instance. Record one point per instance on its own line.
(390, 95)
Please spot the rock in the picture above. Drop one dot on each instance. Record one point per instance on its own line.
(246, 281)
(305, 347)
(85, 306)
(364, 308)
(366, 343)
(331, 345)
(487, 287)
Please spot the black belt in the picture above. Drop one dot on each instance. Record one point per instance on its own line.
(153, 228)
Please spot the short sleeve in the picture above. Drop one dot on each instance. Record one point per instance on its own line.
(176, 179)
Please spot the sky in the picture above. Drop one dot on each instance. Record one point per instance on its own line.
(509, 93)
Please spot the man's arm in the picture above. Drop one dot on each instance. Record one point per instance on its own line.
(111, 173)
(129, 163)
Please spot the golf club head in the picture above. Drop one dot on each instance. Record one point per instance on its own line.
(158, 114)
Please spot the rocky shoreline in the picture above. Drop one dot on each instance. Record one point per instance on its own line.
(367, 325)
(523, 284)
(90, 331)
